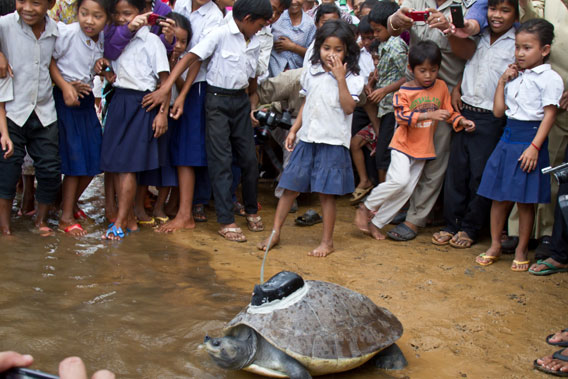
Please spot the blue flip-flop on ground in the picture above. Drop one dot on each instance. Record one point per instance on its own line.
(117, 232)
(557, 355)
(561, 343)
(552, 269)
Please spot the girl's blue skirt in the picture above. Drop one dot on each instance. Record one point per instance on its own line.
(319, 167)
(504, 180)
(80, 136)
(128, 141)
(187, 146)
(166, 175)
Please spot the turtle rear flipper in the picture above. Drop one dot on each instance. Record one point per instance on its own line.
(390, 358)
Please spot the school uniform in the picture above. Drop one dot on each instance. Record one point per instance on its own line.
(464, 210)
(525, 97)
(128, 141)
(232, 63)
(80, 133)
(31, 115)
(321, 161)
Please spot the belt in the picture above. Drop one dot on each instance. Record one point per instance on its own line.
(474, 109)
(217, 91)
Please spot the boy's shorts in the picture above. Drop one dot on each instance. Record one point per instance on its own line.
(369, 136)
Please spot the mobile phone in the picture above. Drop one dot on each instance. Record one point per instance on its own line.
(419, 15)
(26, 373)
(154, 19)
(457, 15)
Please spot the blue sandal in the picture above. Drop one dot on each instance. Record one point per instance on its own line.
(117, 232)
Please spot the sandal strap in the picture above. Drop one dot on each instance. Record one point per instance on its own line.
(254, 219)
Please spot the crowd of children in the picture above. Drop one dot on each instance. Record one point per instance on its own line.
(415, 92)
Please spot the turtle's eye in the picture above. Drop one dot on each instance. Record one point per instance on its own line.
(216, 343)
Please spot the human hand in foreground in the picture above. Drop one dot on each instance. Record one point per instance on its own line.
(529, 158)
(468, 125)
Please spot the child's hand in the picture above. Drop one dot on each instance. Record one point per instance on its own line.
(284, 44)
(510, 73)
(81, 88)
(468, 125)
(528, 159)
(377, 95)
(439, 115)
(138, 22)
(101, 65)
(5, 68)
(152, 100)
(564, 100)
(177, 109)
(7, 146)
(160, 124)
(337, 67)
(70, 95)
(290, 141)
(168, 26)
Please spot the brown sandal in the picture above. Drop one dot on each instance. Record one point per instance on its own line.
(254, 223)
(232, 234)
(461, 241)
(442, 238)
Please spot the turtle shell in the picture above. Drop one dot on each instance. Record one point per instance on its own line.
(328, 328)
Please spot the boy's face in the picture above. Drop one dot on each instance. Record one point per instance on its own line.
(33, 12)
(251, 27)
(501, 17)
(327, 17)
(379, 31)
(277, 10)
(425, 74)
(367, 39)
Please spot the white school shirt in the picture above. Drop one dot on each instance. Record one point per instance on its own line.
(6, 89)
(76, 53)
(366, 65)
(323, 119)
(29, 58)
(141, 60)
(233, 60)
(528, 94)
(203, 21)
(482, 72)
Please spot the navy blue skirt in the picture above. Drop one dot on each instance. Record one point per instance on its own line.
(319, 167)
(80, 136)
(187, 147)
(166, 175)
(504, 180)
(128, 141)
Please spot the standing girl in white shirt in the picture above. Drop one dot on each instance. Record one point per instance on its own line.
(78, 47)
(528, 93)
(130, 140)
(321, 162)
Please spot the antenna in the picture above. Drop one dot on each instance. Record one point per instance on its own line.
(265, 255)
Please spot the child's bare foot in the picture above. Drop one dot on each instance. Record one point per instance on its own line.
(323, 250)
(5, 230)
(491, 256)
(177, 224)
(375, 232)
(72, 228)
(362, 217)
(521, 262)
(275, 240)
(44, 230)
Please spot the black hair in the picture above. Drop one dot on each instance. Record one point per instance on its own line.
(425, 50)
(364, 26)
(513, 3)
(382, 11)
(181, 22)
(339, 29)
(254, 8)
(7, 6)
(105, 4)
(368, 4)
(285, 3)
(542, 29)
(326, 8)
(138, 4)
(375, 46)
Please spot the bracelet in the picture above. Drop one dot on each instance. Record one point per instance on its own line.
(392, 26)
(536, 147)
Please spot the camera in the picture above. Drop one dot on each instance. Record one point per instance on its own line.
(270, 120)
(560, 172)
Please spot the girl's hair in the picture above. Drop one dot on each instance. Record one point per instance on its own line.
(138, 4)
(339, 29)
(326, 8)
(542, 29)
(7, 6)
(105, 4)
(181, 22)
(513, 3)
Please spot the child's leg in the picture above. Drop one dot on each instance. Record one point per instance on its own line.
(372, 111)
(526, 220)
(282, 209)
(184, 218)
(139, 209)
(5, 210)
(126, 194)
(66, 221)
(159, 211)
(172, 204)
(110, 196)
(28, 202)
(84, 182)
(499, 213)
(329, 210)
(356, 147)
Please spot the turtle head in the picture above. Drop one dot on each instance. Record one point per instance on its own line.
(233, 351)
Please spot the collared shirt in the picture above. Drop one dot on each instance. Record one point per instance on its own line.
(482, 72)
(266, 41)
(532, 90)
(141, 61)
(233, 59)
(76, 54)
(323, 119)
(30, 58)
(6, 89)
(203, 21)
(393, 54)
(366, 64)
(64, 11)
(302, 34)
(452, 66)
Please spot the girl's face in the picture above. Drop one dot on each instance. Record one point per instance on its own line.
(124, 12)
(181, 40)
(296, 7)
(528, 50)
(501, 17)
(92, 18)
(331, 46)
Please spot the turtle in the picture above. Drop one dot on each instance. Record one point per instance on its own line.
(295, 328)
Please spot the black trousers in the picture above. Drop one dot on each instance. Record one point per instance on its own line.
(469, 152)
(42, 143)
(559, 243)
(229, 130)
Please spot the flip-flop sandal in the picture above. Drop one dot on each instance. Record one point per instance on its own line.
(561, 343)
(557, 355)
(309, 218)
(239, 209)
(442, 238)
(490, 259)
(162, 219)
(461, 237)
(225, 234)
(71, 228)
(199, 213)
(402, 232)
(117, 232)
(150, 222)
(552, 269)
(254, 223)
(360, 193)
(80, 215)
(518, 263)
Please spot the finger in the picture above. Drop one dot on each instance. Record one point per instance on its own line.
(72, 368)
(10, 71)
